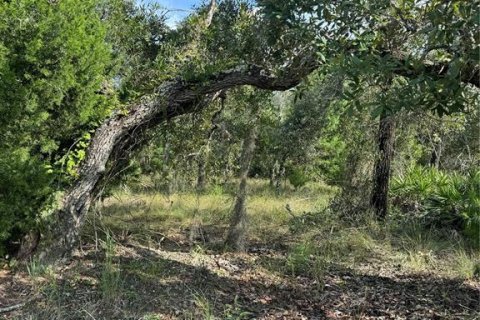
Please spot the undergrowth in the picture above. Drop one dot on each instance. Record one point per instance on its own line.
(315, 242)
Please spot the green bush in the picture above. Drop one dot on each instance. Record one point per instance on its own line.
(24, 187)
(49, 99)
(443, 199)
(297, 177)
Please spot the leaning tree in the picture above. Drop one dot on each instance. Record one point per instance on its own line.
(271, 47)
(186, 92)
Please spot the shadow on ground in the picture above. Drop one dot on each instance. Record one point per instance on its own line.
(155, 284)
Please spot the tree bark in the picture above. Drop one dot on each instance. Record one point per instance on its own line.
(436, 153)
(202, 173)
(381, 178)
(28, 244)
(237, 234)
(280, 175)
(122, 133)
(204, 154)
(274, 172)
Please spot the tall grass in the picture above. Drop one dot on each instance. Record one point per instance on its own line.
(147, 214)
(317, 239)
(110, 281)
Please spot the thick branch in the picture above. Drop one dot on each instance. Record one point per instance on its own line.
(121, 131)
(211, 10)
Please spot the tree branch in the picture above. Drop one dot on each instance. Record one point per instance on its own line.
(116, 136)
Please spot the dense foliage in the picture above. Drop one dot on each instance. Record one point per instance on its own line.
(53, 64)
(442, 199)
(65, 66)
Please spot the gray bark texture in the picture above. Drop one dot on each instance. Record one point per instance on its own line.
(115, 139)
(237, 234)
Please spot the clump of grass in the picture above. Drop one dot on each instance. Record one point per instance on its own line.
(204, 307)
(217, 190)
(300, 257)
(110, 281)
(466, 265)
(35, 268)
(235, 312)
(205, 310)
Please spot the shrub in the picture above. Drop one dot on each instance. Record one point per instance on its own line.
(442, 199)
(49, 99)
(297, 177)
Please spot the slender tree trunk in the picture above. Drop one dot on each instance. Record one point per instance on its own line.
(272, 176)
(236, 238)
(381, 178)
(278, 178)
(436, 154)
(202, 174)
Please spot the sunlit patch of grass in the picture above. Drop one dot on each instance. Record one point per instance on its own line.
(294, 218)
(406, 246)
(465, 265)
(145, 214)
(428, 250)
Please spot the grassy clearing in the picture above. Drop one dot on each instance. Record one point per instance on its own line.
(150, 216)
(137, 262)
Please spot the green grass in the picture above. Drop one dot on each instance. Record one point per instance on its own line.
(110, 280)
(147, 215)
(132, 265)
(316, 238)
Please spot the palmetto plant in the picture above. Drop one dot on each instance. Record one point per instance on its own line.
(443, 199)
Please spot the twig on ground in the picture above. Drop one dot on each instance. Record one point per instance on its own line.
(13, 307)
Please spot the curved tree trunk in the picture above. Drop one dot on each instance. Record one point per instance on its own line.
(120, 134)
(381, 178)
(237, 234)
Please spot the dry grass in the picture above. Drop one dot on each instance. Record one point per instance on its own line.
(137, 262)
(149, 215)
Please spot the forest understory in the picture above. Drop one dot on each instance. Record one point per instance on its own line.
(137, 261)
(239, 159)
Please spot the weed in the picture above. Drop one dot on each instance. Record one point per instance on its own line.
(203, 306)
(110, 281)
(466, 266)
(234, 311)
(35, 268)
(300, 258)
(217, 190)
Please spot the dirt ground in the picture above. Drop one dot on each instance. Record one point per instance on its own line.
(175, 282)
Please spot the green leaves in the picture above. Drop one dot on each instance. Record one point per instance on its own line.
(53, 63)
(447, 199)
